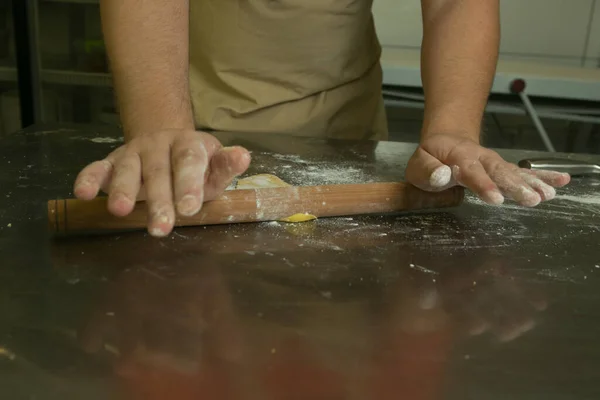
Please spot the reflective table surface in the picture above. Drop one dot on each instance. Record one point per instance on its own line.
(475, 302)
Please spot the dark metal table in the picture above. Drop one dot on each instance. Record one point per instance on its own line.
(476, 302)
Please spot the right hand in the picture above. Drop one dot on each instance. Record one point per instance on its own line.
(173, 170)
(492, 299)
(444, 160)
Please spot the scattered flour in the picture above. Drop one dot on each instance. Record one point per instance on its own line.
(586, 199)
(106, 140)
(422, 269)
(326, 175)
(574, 206)
(560, 275)
(302, 172)
(491, 228)
(232, 185)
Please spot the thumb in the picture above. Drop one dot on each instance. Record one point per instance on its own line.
(428, 173)
(225, 165)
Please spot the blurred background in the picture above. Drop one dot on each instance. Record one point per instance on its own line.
(53, 68)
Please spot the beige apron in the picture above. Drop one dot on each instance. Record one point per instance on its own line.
(301, 67)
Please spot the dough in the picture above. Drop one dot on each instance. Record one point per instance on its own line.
(299, 218)
(263, 181)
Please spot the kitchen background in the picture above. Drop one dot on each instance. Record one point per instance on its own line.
(75, 84)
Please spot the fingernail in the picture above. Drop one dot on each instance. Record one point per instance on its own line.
(83, 184)
(106, 165)
(529, 197)
(163, 219)
(429, 299)
(527, 326)
(495, 197)
(121, 198)
(160, 223)
(157, 232)
(188, 205)
(478, 328)
(549, 192)
(440, 177)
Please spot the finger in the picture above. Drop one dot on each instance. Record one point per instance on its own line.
(429, 298)
(510, 310)
(242, 163)
(512, 329)
(514, 187)
(536, 298)
(95, 177)
(190, 161)
(474, 176)
(470, 311)
(427, 172)
(545, 191)
(225, 165)
(552, 178)
(156, 173)
(91, 336)
(477, 326)
(125, 184)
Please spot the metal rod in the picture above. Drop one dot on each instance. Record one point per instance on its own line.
(537, 122)
(504, 109)
(23, 51)
(36, 64)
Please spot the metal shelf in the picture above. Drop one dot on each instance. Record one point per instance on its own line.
(8, 74)
(76, 78)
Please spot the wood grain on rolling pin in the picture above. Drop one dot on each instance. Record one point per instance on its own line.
(254, 205)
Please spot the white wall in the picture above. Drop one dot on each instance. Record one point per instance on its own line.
(557, 31)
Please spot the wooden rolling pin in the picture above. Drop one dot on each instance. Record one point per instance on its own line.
(255, 205)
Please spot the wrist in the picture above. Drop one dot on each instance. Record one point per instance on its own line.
(456, 133)
(452, 126)
(452, 118)
(151, 122)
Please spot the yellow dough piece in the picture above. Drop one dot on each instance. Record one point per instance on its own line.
(261, 181)
(299, 218)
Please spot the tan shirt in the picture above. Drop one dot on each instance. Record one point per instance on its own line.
(301, 67)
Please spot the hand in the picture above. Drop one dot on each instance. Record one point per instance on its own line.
(170, 335)
(484, 296)
(443, 161)
(492, 299)
(178, 166)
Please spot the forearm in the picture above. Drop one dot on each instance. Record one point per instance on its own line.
(459, 55)
(148, 46)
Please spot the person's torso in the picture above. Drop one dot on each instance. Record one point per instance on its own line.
(304, 67)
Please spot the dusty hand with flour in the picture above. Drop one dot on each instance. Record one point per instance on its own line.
(180, 169)
(446, 161)
(288, 67)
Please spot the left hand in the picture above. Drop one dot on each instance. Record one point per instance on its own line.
(443, 161)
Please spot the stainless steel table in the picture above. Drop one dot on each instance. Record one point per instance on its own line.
(476, 302)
